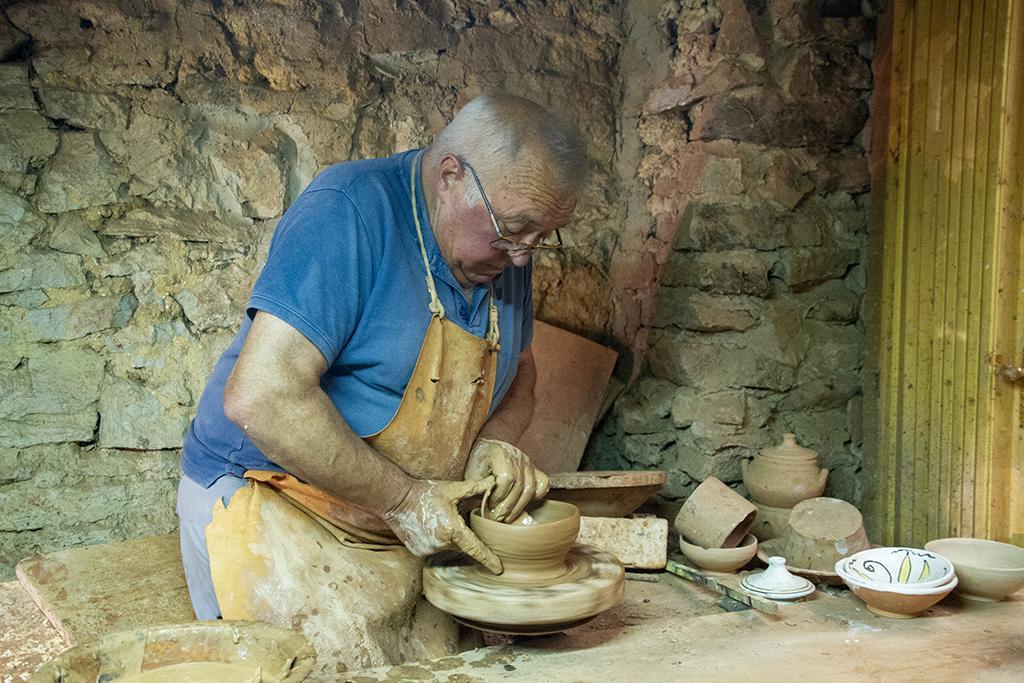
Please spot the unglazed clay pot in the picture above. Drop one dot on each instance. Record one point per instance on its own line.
(782, 476)
(531, 552)
(771, 522)
(715, 516)
(823, 531)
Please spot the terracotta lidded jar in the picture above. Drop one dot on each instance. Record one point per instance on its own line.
(782, 476)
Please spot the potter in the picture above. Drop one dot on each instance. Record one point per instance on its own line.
(380, 377)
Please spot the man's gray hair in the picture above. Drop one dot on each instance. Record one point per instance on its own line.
(491, 132)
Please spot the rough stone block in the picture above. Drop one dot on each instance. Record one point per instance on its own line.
(713, 226)
(710, 367)
(85, 110)
(73, 236)
(80, 175)
(28, 140)
(133, 417)
(78, 319)
(701, 312)
(42, 271)
(724, 407)
(50, 396)
(638, 542)
(15, 92)
(724, 272)
(804, 268)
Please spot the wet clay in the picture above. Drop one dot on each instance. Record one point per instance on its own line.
(547, 584)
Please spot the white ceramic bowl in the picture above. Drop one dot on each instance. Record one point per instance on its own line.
(897, 566)
(988, 570)
(852, 580)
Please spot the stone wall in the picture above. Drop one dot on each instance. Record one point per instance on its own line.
(147, 149)
(752, 160)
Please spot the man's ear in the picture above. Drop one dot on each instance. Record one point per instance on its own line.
(449, 172)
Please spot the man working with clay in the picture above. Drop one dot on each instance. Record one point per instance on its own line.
(378, 379)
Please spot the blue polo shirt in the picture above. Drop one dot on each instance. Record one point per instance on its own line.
(345, 270)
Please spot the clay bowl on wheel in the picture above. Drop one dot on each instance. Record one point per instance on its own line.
(720, 559)
(606, 493)
(988, 570)
(535, 551)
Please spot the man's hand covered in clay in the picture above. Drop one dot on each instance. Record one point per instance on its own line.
(516, 480)
(428, 520)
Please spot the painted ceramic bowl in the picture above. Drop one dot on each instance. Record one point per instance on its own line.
(535, 551)
(897, 566)
(720, 559)
(905, 588)
(988, 570)
(899, 601)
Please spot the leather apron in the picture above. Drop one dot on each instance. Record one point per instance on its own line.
(288, 553)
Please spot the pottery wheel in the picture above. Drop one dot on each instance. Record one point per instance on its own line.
(591, 582)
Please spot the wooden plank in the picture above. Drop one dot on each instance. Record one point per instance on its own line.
(722, 587)
(572, 376)
(27, 639)
(91, 591)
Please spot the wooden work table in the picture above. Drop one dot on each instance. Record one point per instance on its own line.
(666, 629)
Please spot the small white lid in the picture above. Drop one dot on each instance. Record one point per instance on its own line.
(776, 579)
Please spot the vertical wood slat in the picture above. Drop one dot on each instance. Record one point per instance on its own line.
(946, 457)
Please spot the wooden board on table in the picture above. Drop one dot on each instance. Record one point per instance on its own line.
(572, 379)
(91, 591)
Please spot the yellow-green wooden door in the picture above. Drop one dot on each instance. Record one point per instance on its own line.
(944, 419)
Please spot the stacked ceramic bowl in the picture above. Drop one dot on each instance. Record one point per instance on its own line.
(898, 582)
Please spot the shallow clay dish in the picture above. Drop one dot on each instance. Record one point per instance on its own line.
(194, 651)
(605, 493)
(899, 601)
(988, 570)
(891, 566)
(720, 559)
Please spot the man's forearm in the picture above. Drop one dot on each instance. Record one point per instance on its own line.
(274, 395)
(514, 414)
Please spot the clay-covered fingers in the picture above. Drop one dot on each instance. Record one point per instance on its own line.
(470, 543)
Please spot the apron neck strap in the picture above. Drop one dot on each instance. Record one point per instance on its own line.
(436, 307)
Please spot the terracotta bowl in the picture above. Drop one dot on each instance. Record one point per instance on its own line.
(715, 516)
(988, 570)
(607, 493)
(890, 566)
(531, 552)
(720, 559)
(898, 602)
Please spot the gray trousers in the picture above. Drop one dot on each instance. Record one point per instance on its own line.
(195, 512)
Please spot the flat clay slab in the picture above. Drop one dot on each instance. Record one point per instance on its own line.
(91, 591)
(606, 493)
(572, 379)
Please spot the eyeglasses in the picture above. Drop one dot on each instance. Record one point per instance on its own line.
(505, 243)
